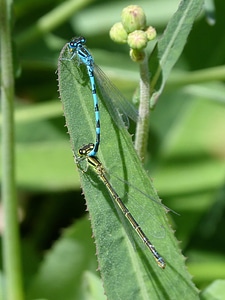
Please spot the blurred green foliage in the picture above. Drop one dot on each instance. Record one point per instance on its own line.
(186, 148)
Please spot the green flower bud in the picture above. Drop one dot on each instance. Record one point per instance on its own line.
(151, 33)
(133, 18)
(137, 40)
(137, 55)
(118, 34)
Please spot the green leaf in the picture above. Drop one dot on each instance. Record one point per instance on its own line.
(127, 268)
(40, 173)
(170, 46)
(210, 11)
(36, 162)
(92, 287)
(64, 270)
(215, 291)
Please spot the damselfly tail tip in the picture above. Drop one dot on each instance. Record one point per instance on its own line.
(161, 263)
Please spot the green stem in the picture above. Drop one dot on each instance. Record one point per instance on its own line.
(141, 139)
(178, 79)
(11, 249)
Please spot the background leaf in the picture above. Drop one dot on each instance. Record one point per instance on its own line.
(55, 277)
(170, 46)
(214, 291)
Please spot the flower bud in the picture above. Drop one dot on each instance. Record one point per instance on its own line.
(151, 33)
(133, 18)
(118, 34)
(137, 55)
(137, 40)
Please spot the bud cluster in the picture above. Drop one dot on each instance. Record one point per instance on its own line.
(133, 30)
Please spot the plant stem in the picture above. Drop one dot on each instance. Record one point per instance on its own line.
(199, 76)
(11, 253)
(141, 139)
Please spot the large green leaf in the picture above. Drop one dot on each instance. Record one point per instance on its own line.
(127, 268)
(65, 270)
(215, 290)
(170, 46)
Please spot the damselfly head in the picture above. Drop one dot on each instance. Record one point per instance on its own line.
(86, 149)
